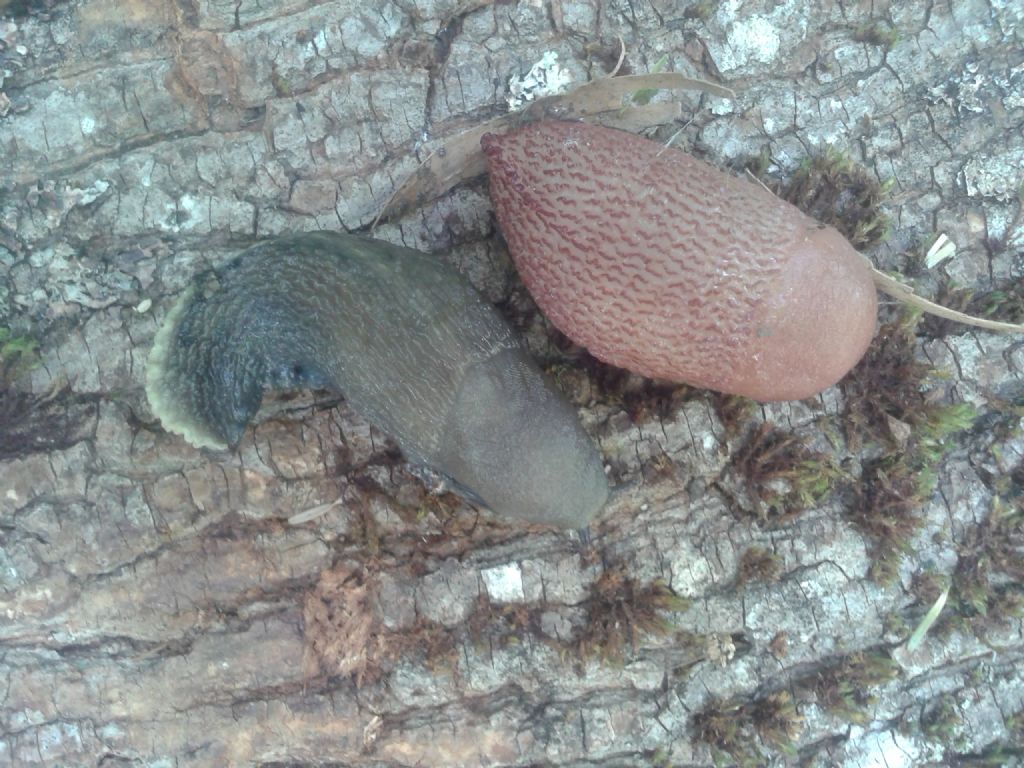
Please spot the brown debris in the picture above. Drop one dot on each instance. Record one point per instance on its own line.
(343, 631)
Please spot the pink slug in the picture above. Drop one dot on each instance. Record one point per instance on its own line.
(658, 263)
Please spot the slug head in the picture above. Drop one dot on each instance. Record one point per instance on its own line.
(517, 444)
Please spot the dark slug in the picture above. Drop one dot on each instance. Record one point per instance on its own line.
(411, 344)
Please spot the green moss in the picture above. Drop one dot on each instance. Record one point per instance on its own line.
(914, 470)
(658, 758)
(844, 688)
(999, 755)
(985, 588)
(877, 33)
(19, 354)
(701, 11)
(282, 87)
(889, 498)
(990, 570)
(587, 381)
(782, 475)
(759, 564)
(887, 406)
(777, 722)
(721, 726)
(502, 625)
(18, 8)
(620, 610)
(1004, 301)
(941, 719)
(936, 424)
(31, 421)
(736, 730)
(885, 385)
(895, 624)
(733, 411)
(751, 732)
(1015, 725)
(836, 191)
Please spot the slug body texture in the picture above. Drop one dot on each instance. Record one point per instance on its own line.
(411, 344)
(661, 264)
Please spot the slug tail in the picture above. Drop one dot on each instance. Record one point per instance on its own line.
(164, 385)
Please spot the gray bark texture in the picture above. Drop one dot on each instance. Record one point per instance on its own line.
(166, 606)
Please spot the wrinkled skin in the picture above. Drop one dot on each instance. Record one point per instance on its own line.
(658, 263)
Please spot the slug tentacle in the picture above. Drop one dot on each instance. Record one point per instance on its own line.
(405, 338)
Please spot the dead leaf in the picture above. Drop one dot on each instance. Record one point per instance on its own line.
(461, 159)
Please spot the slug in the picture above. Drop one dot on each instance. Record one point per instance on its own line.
(411, 344)
(658, 263)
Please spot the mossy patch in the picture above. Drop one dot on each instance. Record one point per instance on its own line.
(19, 354)
(752, 731)
(890, 496)
(497, 625)
(990, 573)
(18, 8)
(587, 381)
(886, 385)
(700, 11)
(894, 487)
(835, 190)
(986, 585)
(51, 421)
(998, 755)
(733, 411)
(758, 564)
(31, 422)
(345, 635)
(616, 614)
(881, 34)
(1004, 301)
(888, 407)
(426, 498)
(941, 721)
(748, 731)
(783, 477)
(619, 610)
(844, 688)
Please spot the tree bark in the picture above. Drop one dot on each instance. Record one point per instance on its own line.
(164, 605)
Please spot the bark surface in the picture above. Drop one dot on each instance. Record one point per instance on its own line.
(305, 600)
